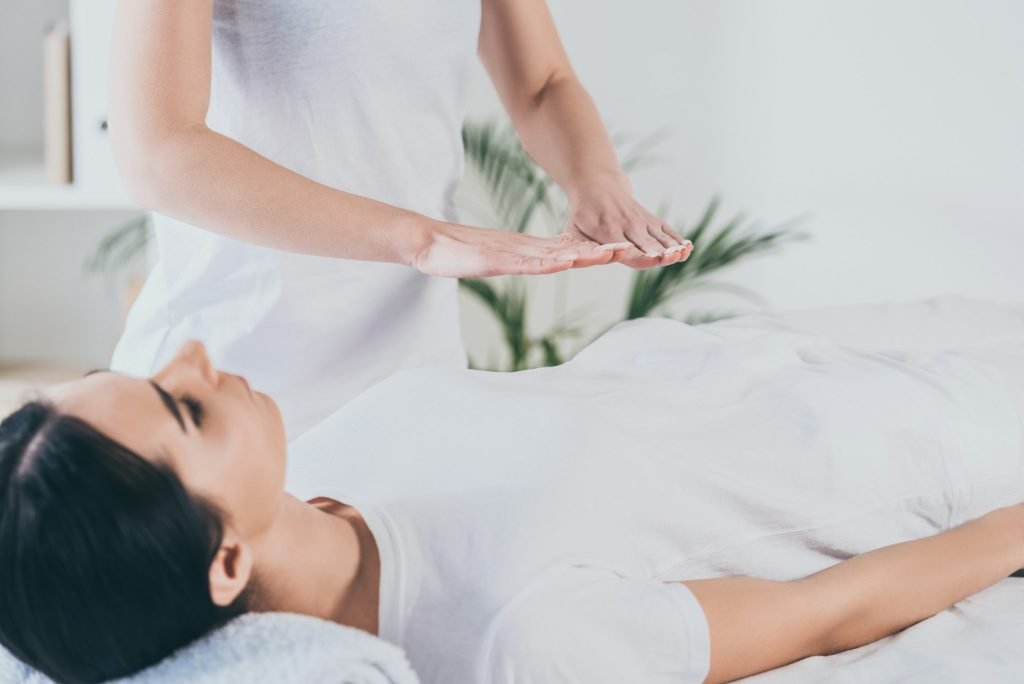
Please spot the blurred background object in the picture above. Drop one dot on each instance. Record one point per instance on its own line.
(891, 127)
(57, 104)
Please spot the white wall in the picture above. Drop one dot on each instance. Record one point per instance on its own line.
(50, 308)
(894, 125)
(21, 68)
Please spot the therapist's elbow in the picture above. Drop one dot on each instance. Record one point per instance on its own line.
(153, 165)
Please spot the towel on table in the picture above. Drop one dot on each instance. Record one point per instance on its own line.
(265, 648)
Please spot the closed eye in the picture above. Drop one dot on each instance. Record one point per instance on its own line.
(195, 409)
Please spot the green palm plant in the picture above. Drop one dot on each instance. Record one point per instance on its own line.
(120, 247)
(713, 249)
(508, 305)
(519, 190)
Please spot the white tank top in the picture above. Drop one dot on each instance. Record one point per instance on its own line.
(367, 96)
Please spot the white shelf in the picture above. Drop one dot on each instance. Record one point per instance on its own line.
(23, 186)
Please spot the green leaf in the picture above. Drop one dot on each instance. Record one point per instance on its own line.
(552, 356)
(118, 248)
(516, 185)
(704, 317)
(713, 250)
(508, 306)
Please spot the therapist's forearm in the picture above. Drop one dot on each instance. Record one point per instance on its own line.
(562, 130)
(210, 180)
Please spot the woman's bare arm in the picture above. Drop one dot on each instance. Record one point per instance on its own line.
(560, 127)
(757, 625)
(552, 112)
(173, 163)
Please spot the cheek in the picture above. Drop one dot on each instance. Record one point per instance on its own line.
(244, 473)
(259, 488)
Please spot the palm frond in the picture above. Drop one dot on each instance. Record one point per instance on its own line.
(515, 184)
(120, 247)
(552, 354)
(713, 249)
(508, 306)
(703, 317)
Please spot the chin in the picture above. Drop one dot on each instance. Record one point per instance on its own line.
(268, 401)
(275, 415)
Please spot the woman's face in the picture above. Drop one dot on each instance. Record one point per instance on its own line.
(225, 441)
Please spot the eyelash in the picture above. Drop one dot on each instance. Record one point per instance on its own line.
(195, 409)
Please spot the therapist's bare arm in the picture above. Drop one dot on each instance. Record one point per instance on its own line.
(173, 163)
(561, 129)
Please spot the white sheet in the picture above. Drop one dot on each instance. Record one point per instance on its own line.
(979, 639)
(769, 445)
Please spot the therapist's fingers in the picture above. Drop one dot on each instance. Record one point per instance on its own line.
(641, 237)
(676, 253)
(583, 252)
(676, 246)
(634, 258)
(591, 253)
(557, 254)
(660, 232)
(685, 247)
(511, 263)
(460, 251)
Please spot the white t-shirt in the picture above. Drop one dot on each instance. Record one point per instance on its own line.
(367, 96)
(530, 525)
(511, 551)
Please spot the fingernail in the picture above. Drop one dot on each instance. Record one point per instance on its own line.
(675, 249)
(567, 257)
(613, 246)
(687, 243)
(653, 255)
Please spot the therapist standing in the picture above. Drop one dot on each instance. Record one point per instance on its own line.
(300, 157)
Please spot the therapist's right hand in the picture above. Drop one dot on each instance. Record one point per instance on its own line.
(460, 251)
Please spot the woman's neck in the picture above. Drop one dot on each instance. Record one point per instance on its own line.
(319, 560)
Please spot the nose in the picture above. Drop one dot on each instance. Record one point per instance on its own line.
(191, 358)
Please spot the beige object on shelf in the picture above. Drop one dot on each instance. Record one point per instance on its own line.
(57, 104)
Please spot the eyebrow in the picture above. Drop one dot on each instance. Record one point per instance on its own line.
(165, 398)
(171, 405)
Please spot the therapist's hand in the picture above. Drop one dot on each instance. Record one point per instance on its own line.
(602, 208)
(460, 251)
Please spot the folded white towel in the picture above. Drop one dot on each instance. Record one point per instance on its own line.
(265, 648)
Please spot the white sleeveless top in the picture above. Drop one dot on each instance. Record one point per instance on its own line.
(367, 96)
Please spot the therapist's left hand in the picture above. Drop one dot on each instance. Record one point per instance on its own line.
(602, 209)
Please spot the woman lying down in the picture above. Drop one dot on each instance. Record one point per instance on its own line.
(676, 504)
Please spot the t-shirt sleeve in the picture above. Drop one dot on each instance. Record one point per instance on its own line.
(587, 624)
